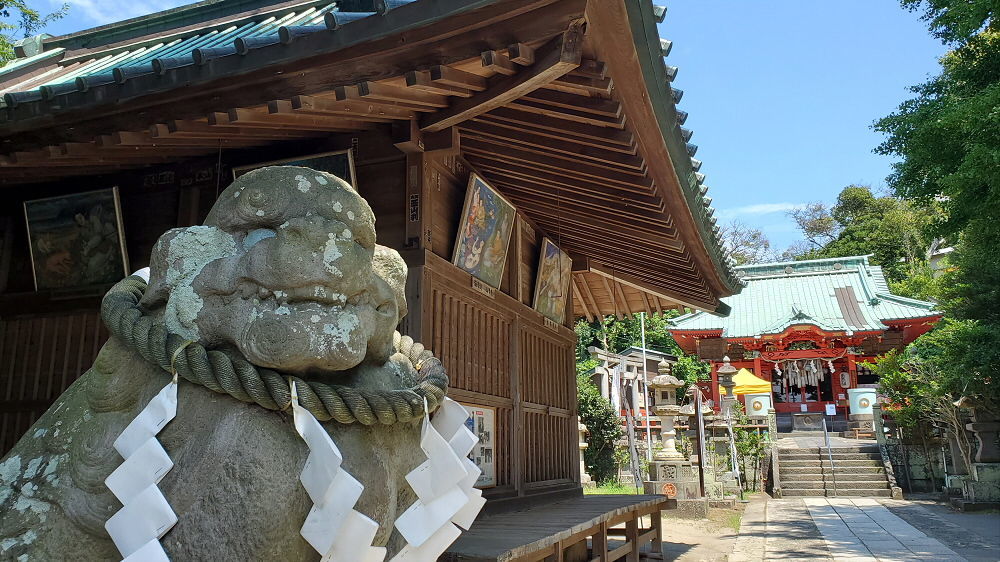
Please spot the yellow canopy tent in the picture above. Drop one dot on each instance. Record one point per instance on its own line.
(748, 383)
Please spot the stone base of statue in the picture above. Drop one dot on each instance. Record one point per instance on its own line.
(676, 479)
(986, 486)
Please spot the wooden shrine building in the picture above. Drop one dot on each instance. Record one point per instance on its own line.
(803, 322)
(559, 112)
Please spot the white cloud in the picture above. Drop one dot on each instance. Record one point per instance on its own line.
(759, 209)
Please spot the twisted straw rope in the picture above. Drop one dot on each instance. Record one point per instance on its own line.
(225, 373)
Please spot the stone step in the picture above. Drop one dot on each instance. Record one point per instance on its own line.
(846, 492)
(826, 470)
(828, 485)
(826, 462)
(836, 456)
(834, 450)
(828, 477)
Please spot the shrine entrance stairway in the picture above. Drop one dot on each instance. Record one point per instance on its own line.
(857, 471)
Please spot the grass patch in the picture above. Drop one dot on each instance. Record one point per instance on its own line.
(733, 521)
(612, 488)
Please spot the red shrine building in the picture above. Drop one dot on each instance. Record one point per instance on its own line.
(807, 327)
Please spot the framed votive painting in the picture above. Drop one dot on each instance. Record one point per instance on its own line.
(339, 163)
(484, 232)
(76, 240)
(555, 269)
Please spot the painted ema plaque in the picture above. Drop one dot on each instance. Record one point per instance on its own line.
(482, 422)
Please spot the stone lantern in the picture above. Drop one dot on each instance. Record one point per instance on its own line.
(665, 407)
(726, 372)
(671, 474)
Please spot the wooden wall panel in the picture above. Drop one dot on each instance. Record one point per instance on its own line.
(471, 340)
(548, 443)
(544, 364)
(42, 356)
(500, 353)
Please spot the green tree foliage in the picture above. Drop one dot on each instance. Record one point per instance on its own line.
(955, 21)
(616, 335)
(957, 359)
(18, 20)
(948, 139)
(893, 230)
(603, 427)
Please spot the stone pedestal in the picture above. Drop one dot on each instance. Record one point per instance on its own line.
(864, 422)
(807, 421)
(674, 479)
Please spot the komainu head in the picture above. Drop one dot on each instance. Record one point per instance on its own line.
(286, 271)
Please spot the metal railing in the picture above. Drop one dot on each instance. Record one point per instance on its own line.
(829, 452)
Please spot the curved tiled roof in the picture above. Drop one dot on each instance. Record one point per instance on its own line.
(152, 53)
(118, 64)
(835, 294)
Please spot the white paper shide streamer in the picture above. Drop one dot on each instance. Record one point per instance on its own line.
(444, 485)
(145, 515)
(333, 527)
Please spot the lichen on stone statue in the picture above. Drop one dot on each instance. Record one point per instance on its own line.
(284, 279)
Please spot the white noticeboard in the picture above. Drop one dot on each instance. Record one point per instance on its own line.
(482, 422)
(831, 409)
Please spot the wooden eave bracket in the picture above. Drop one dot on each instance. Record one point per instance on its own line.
(719, 307)
(559, 56)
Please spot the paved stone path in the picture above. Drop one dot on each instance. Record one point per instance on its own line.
(864, 529)
(840, 529)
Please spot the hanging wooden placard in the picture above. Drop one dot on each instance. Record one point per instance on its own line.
(483, 287)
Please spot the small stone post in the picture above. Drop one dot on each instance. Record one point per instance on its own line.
(877, 425)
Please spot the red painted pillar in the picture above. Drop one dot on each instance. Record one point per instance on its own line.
(716, 395)
(852, 368)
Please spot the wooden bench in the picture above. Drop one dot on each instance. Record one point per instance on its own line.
(859, 433)
(581, 529)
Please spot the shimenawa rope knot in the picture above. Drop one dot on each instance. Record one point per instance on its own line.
(227, 373)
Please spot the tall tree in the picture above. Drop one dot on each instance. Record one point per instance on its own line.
(948, 139)
(891, 229)
(18, 20)
(816, 223)
(746, 245)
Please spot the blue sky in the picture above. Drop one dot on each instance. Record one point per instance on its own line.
(781, 93)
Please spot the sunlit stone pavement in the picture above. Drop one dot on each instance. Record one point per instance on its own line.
(856, 529)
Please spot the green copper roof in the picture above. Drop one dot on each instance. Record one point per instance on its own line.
(836, 294)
